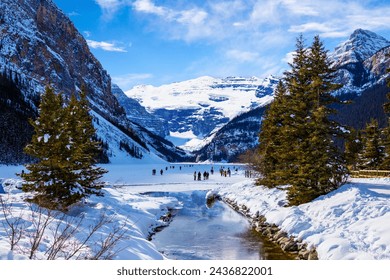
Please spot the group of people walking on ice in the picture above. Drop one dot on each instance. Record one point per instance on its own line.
(224, 172)
(198, 176)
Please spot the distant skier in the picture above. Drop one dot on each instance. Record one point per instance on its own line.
(195, 176)
(199, 176)
(161, 172)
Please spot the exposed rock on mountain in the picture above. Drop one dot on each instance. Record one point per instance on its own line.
(138, 114)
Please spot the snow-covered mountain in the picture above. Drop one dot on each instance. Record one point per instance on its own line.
(359, 61)
(195, 109)
(361, 45)
(39, 45)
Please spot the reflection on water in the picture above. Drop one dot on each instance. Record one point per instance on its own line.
(217, 233)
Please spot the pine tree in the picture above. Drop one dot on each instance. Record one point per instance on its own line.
(64, 172)
(298, 146)
(373, 152)
(272, 141)
(45, 176)
(83, 148)
(324, 165)
(353, 149)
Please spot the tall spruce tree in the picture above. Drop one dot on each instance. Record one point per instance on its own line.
(307, 158)
(353, 149)
(64, 171)
(45, 176)
(271, 146)
(322, 166)
(373, 152)
(83, 148)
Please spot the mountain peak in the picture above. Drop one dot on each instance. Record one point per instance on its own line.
(362, 44)
(361, 33)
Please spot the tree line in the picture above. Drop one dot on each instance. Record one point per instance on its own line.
(369, 148)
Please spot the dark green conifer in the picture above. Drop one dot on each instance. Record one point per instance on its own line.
(373, 152)
(272, 144)
(46, 176)
(83, 148)
(353, 149)
(303, 153)
(65, 152)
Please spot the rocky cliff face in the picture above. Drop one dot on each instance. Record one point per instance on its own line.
(41, 44)
(138, 114)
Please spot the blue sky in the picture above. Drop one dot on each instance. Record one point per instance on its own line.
(163, 41)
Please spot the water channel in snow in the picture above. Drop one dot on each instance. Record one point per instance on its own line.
(203, 232)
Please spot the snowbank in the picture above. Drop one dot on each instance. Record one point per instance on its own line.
(350, 223)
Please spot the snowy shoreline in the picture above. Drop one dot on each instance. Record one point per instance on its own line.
(351, 223)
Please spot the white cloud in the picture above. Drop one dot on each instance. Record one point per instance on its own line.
(187, 23)
(110, 7)
(242, 56)
(87, 33)
(73, 14)
(303, 7)
(110, 47)
(289, 57)
(147, 6)
(192, 17)
(126, 82)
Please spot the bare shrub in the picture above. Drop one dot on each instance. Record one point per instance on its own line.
(66, 234)
(13, 226)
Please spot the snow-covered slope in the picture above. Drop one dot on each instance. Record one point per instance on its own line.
(194, 109)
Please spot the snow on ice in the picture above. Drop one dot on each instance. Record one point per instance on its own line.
(351, 223)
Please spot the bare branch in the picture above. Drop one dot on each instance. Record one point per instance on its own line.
(13, 226)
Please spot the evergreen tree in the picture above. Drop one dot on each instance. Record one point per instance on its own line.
(45, 176)
(83, 148)
(353, 149)
(373, 153)
(321, 165)
(64, 171)
(302, 152)
(271, 146)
